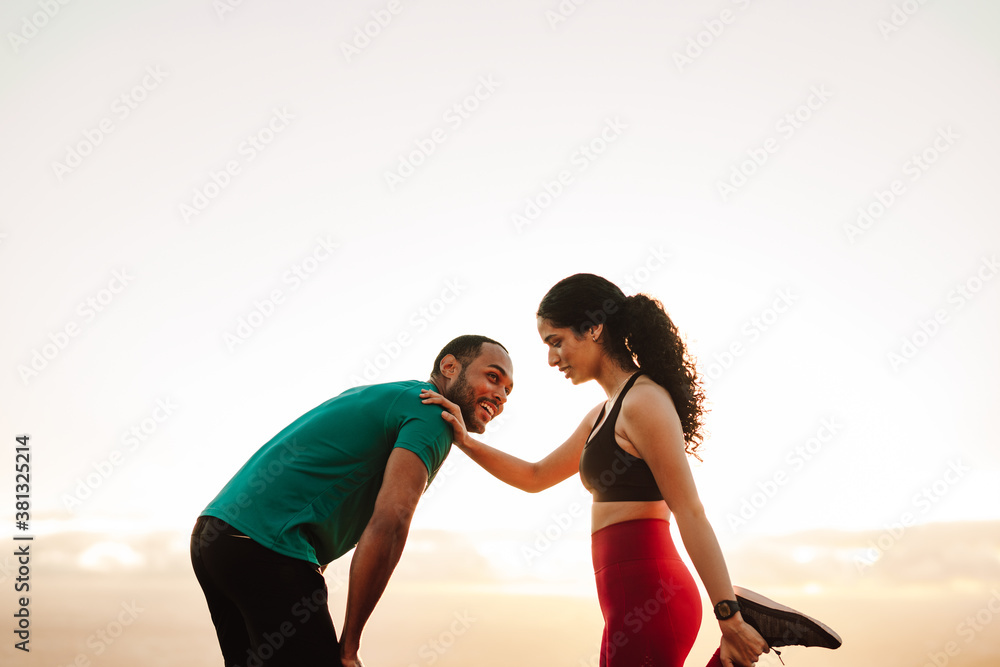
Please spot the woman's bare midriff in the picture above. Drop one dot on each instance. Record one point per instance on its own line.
(605, 514)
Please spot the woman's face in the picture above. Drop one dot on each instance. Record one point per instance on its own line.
(576, 358)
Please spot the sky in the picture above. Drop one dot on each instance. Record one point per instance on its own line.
(218, 215)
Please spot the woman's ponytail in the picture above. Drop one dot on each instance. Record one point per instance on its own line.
(654, 342)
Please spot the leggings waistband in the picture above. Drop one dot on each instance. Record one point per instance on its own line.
(637, 539)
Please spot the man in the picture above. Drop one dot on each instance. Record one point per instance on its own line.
(347, 473)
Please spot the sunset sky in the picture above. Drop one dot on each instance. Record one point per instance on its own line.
(215, 219)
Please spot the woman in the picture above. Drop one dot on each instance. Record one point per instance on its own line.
(631, 454)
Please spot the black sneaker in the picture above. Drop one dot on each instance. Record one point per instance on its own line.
(783, 626)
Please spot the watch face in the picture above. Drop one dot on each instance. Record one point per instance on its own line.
(725, 610)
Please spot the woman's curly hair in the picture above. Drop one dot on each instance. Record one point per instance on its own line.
(639, 332)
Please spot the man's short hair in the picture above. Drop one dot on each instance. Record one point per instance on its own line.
(465, 348)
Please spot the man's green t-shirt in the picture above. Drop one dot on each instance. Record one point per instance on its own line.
(310, 491)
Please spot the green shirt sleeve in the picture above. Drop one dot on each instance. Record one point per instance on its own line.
(420, 429)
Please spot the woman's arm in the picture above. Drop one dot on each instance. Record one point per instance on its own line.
(562, 463)
(650, 422)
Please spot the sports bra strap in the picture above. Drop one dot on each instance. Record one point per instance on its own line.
(617, 407)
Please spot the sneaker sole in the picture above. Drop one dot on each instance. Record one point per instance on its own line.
(789, 613)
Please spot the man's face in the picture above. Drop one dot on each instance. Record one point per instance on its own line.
(482, 387)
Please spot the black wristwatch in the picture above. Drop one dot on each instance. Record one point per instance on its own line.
(726, 609)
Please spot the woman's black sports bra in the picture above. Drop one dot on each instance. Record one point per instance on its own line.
(609, 472)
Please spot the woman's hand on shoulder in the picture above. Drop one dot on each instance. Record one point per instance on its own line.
(452, 414)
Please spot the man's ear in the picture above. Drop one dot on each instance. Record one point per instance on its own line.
(450, 367)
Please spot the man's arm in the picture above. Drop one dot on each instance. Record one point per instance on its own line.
(380, 545)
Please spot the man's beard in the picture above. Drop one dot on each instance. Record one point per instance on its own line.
(463, 396)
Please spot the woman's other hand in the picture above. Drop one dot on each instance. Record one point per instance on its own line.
(741, 645)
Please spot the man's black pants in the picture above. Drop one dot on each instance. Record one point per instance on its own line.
(268, 609)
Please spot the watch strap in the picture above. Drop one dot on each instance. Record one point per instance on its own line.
(726, 609)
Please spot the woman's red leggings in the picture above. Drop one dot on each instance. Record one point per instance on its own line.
(651, 604)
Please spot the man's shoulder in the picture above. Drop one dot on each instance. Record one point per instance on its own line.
(407, 408)
(384, 390)
(400, 397)
(396, 386)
